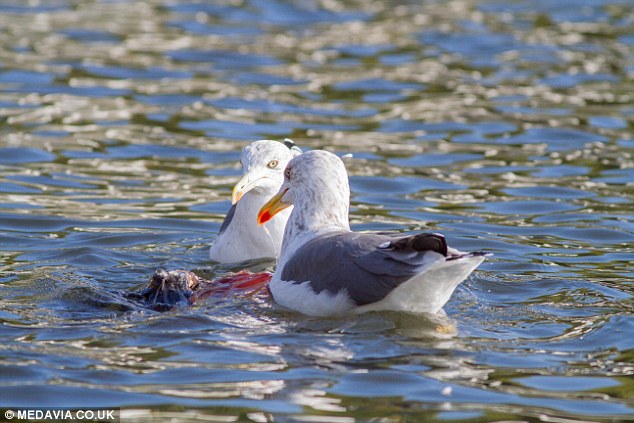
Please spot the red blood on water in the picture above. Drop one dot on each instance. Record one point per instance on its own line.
(242, 284)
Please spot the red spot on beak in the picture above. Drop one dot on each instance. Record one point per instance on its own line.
(264, 217)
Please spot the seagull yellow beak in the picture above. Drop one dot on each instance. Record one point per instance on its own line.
(244, 185)
(272, 207)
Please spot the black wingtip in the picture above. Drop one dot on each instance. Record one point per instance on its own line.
(291, 145)
(421, 242)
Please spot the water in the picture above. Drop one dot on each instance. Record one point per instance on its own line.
(505, 125)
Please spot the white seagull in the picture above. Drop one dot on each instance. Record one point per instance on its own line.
(326, 269)
(240, 238)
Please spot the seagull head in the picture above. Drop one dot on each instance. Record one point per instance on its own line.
(316, 184)
(263, 164)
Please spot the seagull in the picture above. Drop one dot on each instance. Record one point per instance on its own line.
(326, 269)
(240, 238)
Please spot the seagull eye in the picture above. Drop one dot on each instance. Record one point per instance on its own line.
(272, 164)
(287, 173)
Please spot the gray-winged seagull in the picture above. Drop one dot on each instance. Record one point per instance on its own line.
(240, 238)
(326, 269)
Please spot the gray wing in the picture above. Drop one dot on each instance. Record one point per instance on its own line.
(368, 266)
(228, 219)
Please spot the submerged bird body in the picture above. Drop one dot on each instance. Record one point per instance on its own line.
(326, 269)
(240, 238)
